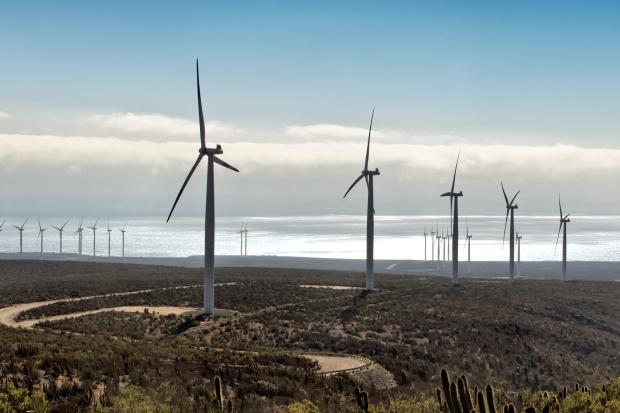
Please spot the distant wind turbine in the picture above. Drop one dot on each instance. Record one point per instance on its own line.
(1, 225)
(241, 240)
(454, 221)
(425, 234)
(122, 230)
(438, 237)
(370, 211)
(245, 232)
(79, 232)
(60, 230)
(21, 235)
(109, 237)
(519, 254)
(432, 245)
(209, 276)
(40, 234)
(510, 210)
(468, 244)
(94, 228)
(563, 221)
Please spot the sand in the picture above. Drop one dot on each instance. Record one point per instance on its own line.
(333, 363)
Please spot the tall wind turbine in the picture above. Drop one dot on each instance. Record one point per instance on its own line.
(94, 228)
(21, 235)
(209, 293)
(245, 232)
(109, 237)
(454, 220)
(122, 230)
(60, 230)
(425, 234)
(519, 254)
(241, 241)
(370, 211)
(40, 234)
(510, 210)
(432, 245)
(563, 221)
(438, 237)
(79, 232)
(468, 242)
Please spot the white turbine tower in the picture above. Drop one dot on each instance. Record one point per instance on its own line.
(432, 245)
(123, 241)
(21, 235)
(209, 293)
(370, 212)
(109, 237)
(425, 234)
(468, 242)
(40, 234)
(241, 241)
(518, 254)
(245, 232)
(94, 228)
(60, 230)
(79, 232)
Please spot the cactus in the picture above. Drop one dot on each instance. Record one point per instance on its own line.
(490, 399)
(364, 401)
(218, 392)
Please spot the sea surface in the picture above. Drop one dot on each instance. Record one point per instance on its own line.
(590, 238)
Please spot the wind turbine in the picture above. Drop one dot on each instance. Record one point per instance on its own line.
(468, 242)
(60, 230)
(94, 228)
(79, 232)
(245, 231)
(432, 245)
(109, 237)
(454, 221)
(370, 211)
(518, 254)
(209, 293)
(40, 234)
(563, 221)
(1, 225)
(443, 245)
(425, 234)
(510, 210)
(123, 242)
(241, 241)
(438, 237)
(21, 235)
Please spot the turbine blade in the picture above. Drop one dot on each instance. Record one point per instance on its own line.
(66, 222)
(368, 144)
(55, 227)
(353, 184)
(504, 192)
(455, 168)
(24, 223)
(200, 115)
(515, 197)
(558, 238)
(16, 227)
(224, 164)
(567, 215)
(560, 203)
(191, 172)
(505, 224)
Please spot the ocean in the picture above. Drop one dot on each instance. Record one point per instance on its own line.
(590, 238)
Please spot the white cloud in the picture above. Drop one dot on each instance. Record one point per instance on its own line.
(158, 124)
(5, 115)
(327, 131)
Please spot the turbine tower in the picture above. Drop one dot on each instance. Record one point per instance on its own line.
(94, 228)
(79, 232)
(518, 254)
(60, 230)
(245, 232)
(40, 234)
(454, 221)
(241, 241)
(425, 234)
(21, 235)
(432, 245)
(510, 210)
(563, 221)
(209, 293)
(438, 237)
(468, 242)
(123, 240)
(109, 237)
(370, 212)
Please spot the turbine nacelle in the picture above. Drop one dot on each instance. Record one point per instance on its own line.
(375, 172)
(211, 151)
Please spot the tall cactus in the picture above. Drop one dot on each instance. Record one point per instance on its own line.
(219, 398)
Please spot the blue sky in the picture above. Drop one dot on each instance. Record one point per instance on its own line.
(525, 73)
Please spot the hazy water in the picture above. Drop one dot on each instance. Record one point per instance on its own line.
(595, 238)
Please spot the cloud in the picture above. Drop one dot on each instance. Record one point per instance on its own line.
(160, 125)
(328, 131)
(5, 115)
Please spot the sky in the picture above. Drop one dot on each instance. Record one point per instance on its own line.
(98, 111)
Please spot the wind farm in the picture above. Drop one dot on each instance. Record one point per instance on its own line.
(378, 289)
